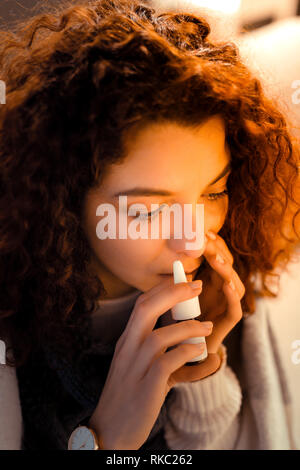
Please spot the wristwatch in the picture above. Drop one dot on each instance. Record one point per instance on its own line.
(84, 438)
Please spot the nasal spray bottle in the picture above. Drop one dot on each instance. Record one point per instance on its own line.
(187, 310)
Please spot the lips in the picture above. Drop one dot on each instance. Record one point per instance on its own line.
(186, 272)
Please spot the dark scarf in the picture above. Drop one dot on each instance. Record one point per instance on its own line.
(56, 396)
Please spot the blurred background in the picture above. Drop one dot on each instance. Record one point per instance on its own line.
(246, 15)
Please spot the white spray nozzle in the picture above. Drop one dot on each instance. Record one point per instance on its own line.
(188, 308)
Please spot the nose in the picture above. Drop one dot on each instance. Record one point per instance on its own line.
(187, 234)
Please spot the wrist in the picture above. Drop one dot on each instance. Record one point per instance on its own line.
(88, 436)
(92, 424)
(222, 354)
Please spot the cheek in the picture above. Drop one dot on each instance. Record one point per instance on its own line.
(118, 253)
(216, 216)
(126, 256)
(224, 209)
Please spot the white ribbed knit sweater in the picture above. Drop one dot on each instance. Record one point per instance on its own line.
(260, 409)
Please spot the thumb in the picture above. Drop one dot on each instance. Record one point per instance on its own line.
(196, 372)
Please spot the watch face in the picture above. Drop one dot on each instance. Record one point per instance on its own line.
(82, 439)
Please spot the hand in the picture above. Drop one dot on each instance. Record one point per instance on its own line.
(224, 310)
(142, 372)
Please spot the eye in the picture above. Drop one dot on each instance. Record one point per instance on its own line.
(211, 197)
(216, 196)
(148, 215)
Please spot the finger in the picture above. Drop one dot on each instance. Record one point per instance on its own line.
(162, 338)
(238, 284)
(235, 279)
(220, 265)
(219, 244)
(157, 288)
(224, 323)
(217, 282)
(196, 372)
(146, 295)
(224, 251)
(169, 362)
(144, 317)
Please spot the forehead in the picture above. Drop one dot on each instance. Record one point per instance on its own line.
(170, 154)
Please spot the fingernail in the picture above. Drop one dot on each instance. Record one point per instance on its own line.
(196, 284)
(219, 259)
(231, 284)
(211, 235)
(200, 346)
(207, 324)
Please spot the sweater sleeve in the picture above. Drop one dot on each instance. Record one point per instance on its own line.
(10, 410)
(205, 414)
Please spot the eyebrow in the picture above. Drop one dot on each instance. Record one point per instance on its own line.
(140, 191)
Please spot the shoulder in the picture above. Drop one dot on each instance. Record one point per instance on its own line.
(8, 383)
(10, 407)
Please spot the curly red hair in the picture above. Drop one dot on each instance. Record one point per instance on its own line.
(78, 81)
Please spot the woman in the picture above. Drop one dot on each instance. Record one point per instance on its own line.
(110, 98)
